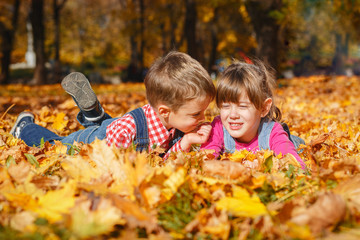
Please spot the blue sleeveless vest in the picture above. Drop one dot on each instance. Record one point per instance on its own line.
(142, 132)
(264, 131)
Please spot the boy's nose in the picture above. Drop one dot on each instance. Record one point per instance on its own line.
(202, 117)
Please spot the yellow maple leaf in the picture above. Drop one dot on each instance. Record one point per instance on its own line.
(59, 122)
(173, 183)
(242, 204)
(79, 169)
(22, 200)
(86, 223)
(56, 203)
(258, 179)
(239, 156)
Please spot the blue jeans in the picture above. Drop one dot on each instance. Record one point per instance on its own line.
(33, 133)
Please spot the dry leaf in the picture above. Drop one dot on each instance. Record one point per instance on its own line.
(326, 212)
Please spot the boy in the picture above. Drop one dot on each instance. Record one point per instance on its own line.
(178, 90)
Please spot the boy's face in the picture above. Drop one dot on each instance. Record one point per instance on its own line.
(189, 115)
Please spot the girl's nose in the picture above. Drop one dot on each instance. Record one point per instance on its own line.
(233, 113)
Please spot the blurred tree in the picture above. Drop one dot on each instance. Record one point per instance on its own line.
(37, 18)
(263, 17)
(133, 16)
(7, 31)
(190, 27)
(346, 28)
(57, 6)
(106, 36)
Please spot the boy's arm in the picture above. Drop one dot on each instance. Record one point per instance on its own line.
(121, 132)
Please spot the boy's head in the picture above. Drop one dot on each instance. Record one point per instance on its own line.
(180, 90)
(176, 79)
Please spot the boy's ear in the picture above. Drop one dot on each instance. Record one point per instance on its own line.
(163, 110)
(266, 108)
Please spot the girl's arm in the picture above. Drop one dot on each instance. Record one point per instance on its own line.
(216, 138)
(280, 143)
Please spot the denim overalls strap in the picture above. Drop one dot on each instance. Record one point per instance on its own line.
(229, 141)
(142, 133)
(264, 131)
(177, 136)
(294, 139)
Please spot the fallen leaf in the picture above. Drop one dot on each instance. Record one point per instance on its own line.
(326, 212)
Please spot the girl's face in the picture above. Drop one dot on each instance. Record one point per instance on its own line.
(242, 119)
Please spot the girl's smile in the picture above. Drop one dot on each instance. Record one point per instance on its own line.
(235, 126)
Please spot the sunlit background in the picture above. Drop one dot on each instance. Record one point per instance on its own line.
(117, 40)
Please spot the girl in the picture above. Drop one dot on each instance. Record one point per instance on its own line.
(248, 117)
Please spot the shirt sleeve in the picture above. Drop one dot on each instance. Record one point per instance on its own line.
(216, 138)
(121, 132)
(280, 143)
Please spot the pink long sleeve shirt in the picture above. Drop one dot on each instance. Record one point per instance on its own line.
(279, 141)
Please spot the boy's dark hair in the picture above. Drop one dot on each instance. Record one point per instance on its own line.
(176, 79)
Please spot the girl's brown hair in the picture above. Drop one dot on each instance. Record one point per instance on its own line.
(256, 80)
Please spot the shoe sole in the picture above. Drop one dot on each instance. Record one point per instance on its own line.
(21, 116)
(78, 86)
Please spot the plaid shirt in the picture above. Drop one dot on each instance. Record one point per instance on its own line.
(122, 132)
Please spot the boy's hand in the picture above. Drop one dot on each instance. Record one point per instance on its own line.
(199, 136)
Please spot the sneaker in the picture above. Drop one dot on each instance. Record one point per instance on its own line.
(22, 120)
(79, 88)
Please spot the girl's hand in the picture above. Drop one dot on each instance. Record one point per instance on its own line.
(199, 136)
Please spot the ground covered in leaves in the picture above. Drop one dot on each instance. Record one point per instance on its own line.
(98, 192)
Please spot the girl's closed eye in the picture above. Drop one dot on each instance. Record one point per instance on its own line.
(243, 106)
(225, 105)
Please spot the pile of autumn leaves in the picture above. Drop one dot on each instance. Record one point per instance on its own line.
(100, 192)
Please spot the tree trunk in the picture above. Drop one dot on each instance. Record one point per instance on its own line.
(173, 18)
(338, 62)
(163, 38)
(214, 41)
(190, 28)
(270, 48)
(37, 16)
(57, 64)
(7, 44)
(142, 37)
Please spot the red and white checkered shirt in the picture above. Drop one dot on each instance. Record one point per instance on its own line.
(122, 132)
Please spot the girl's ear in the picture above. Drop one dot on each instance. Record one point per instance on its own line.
(163, 110)
(266, 107)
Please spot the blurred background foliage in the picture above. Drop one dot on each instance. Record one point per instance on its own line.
(117, 40)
